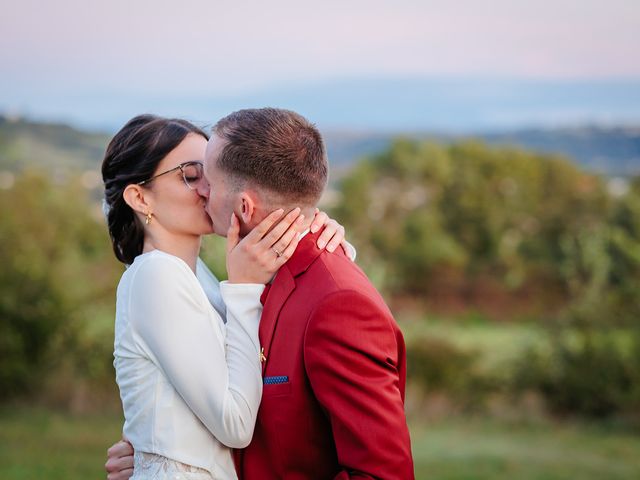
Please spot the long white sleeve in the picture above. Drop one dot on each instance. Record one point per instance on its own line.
(214, 367)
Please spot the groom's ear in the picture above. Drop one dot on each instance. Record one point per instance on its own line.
(247, 207)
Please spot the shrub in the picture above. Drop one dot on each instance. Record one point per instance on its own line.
(57, 272)
(587, 372)
(439, 366)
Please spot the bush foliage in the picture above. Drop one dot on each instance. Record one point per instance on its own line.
(463, 227)
(57, 277)
(492, 227)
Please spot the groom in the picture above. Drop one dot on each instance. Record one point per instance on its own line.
(333, 359)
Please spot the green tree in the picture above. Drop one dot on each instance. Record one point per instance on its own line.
(58, 276)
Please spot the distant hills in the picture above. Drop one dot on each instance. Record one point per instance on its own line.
(609, 150)
(53, 147)
(57, 147)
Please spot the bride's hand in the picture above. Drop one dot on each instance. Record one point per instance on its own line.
(332, 235)
(258, 256)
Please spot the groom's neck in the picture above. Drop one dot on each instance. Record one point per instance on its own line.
(309, 213)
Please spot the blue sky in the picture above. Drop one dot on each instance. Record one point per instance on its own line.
(100, 62)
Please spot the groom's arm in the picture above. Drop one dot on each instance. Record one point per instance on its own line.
(119, 464)
(353, 359)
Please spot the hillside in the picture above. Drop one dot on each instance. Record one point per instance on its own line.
(54, 147)
(26, 144)
(608, 150)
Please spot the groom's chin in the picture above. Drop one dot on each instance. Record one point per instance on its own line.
(218, 230)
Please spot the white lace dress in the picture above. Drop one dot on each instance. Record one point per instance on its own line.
(149, 466)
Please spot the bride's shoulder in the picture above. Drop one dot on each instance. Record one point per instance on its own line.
(162, 279)
(158, 266)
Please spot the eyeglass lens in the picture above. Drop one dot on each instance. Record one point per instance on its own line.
(192, 173)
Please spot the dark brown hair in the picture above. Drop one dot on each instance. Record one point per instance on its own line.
(275, 149)
(131, 157)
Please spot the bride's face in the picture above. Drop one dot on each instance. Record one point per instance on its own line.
(178, 209)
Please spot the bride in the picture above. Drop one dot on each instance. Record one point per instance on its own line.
(186, 348)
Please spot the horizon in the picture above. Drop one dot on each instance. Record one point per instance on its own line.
(446, 105)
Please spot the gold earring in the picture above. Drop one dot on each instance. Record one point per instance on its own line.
(147, 219)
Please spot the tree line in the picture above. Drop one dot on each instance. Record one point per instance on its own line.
(442, 228)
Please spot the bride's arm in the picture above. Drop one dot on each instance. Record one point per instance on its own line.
(254, 257)
(218, 376)
(214, 367)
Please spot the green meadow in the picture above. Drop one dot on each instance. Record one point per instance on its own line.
(37, 443)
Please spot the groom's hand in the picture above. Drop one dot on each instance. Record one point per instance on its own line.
(119, 464)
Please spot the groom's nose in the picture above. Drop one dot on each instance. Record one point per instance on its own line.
(203, 188)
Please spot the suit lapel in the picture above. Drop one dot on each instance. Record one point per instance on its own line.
(282, 287)
(280, 290)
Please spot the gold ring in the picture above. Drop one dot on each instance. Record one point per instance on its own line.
(279, 254)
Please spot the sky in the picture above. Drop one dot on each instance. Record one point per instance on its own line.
(100, 61)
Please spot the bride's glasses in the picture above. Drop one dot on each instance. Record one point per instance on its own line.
(192, 173)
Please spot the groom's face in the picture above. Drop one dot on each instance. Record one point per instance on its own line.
(221, 195)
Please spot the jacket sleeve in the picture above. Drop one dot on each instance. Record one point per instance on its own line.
(214, 367)
(352, 361)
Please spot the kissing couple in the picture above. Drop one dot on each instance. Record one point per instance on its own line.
(294, 367)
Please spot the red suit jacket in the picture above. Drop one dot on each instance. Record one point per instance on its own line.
(334, 377)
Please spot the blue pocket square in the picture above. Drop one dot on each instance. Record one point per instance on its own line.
(275, 380)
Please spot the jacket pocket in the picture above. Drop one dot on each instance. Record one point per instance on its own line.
(278, 385)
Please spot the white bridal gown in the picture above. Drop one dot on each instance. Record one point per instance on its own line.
(190, 383)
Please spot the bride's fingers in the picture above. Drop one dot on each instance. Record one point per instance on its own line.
(336, 240)
(233, 234)
(349, 250)
(291, 218)
(288, 252)
(281, 245)
(331, 236)
(319, 220)
(263, 227)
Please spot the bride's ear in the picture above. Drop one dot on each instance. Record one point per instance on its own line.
(134, 196)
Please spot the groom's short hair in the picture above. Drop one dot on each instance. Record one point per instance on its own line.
(278, 150)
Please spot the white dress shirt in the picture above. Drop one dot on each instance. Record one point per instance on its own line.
(190, 384)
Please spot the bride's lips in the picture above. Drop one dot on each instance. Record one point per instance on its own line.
(206, 211)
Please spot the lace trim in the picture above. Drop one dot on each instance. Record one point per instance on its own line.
(147, 466)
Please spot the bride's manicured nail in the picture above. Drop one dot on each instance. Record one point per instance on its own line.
(321, 244)
(314, 228)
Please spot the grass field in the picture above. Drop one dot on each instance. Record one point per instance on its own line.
(488, 449)
(38, 444)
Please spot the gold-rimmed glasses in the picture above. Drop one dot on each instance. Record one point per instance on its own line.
(192, 173)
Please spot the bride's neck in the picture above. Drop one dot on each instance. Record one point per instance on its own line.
(185, 247)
